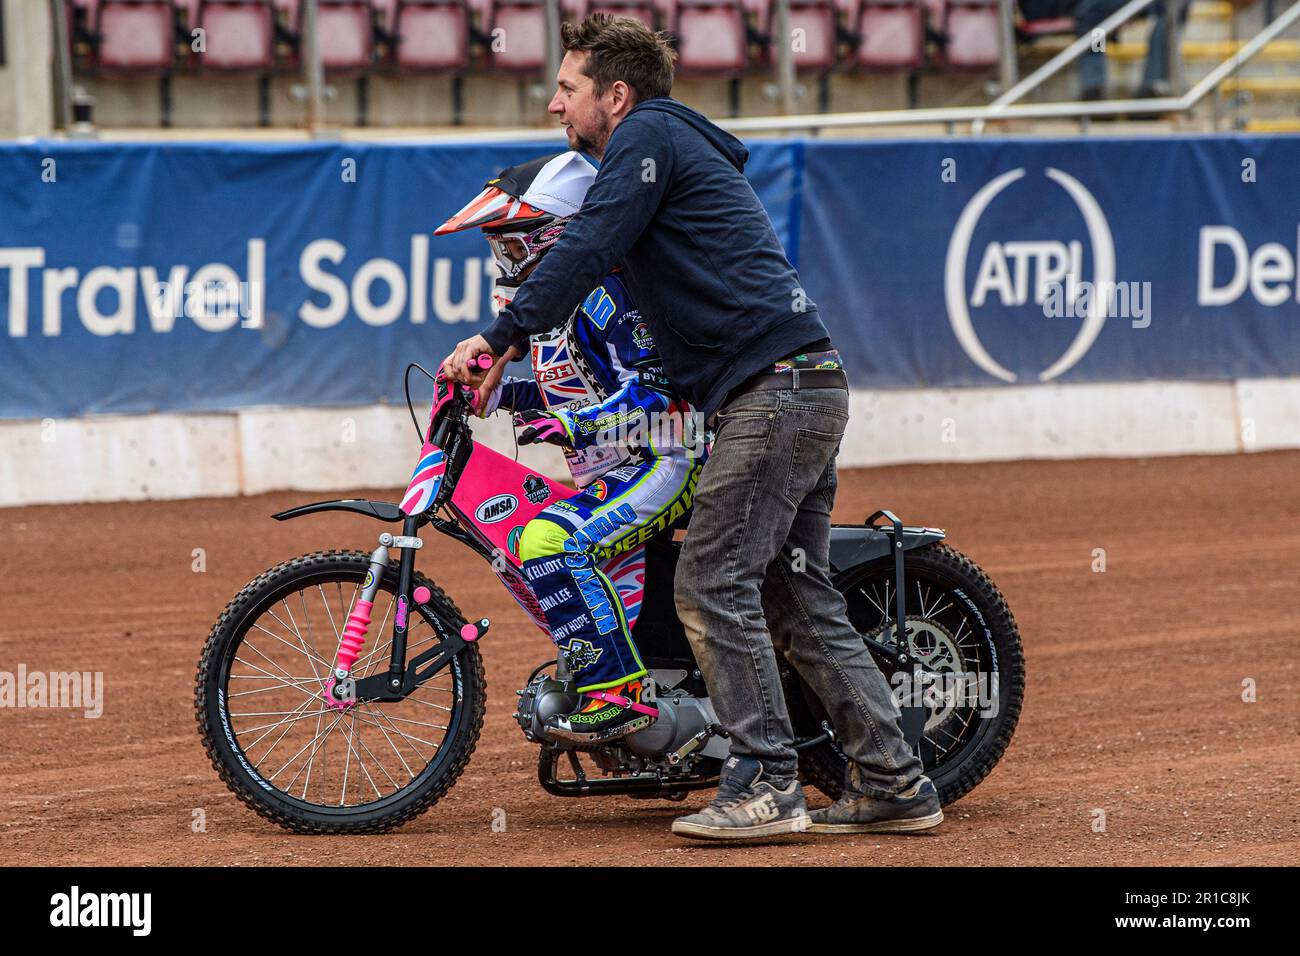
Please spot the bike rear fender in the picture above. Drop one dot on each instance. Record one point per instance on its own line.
(383, 510)
(854, 544)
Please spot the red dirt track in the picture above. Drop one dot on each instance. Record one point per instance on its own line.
(1134, 702)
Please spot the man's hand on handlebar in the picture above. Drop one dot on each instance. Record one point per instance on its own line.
(491, 380)
(460, 366)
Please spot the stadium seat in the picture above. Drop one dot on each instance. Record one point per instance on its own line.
(712, 38)
(970, 29)
(345, 31)
(522, 40)
(134, 36)
(892, 35)
(1029, 29)
(386, 14)
(481, 12)
(239, 35)
(643, 10)
(187, 13)
(817, 20)
(290, 12)
(432, 36)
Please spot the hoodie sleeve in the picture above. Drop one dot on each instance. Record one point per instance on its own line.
(624, 197)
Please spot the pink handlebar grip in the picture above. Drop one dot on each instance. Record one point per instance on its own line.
(483, 361)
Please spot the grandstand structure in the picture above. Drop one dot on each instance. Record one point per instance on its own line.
(431, 64)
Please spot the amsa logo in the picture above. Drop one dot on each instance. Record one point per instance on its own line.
(1018, 272)
(495, 509)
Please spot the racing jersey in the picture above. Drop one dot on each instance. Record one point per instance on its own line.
(601, 375)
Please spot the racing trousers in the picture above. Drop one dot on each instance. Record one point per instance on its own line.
(565, 549)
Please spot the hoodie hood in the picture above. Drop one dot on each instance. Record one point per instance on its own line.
(729, 146)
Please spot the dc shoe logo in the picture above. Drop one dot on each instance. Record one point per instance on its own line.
(762, 810)
(580, 655)
(535, 489)
(1007, 268)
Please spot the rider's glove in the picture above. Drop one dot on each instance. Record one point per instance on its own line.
(539, 426)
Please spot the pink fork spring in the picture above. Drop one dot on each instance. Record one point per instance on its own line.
(354, 635)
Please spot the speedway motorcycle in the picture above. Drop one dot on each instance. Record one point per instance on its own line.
(343, 691)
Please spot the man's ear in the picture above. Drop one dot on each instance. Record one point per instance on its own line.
(622, 99)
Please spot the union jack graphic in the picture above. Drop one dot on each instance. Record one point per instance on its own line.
(424, 480)
(557, 373)
(627, 571)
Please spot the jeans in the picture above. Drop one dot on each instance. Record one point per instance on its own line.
(754, 579)
(1092, 66)
(1088, 14)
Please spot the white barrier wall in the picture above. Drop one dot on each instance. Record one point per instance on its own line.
(126, 458)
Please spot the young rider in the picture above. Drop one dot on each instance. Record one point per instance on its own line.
(599, 392)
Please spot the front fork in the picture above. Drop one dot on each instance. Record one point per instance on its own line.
(341, 689)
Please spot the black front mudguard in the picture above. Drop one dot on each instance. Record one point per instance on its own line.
(382, 510)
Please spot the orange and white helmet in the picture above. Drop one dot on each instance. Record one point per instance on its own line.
(523, 211)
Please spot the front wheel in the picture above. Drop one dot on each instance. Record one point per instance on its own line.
(960, 630)
(309, 767)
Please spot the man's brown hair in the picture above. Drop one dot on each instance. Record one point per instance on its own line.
(620, 48)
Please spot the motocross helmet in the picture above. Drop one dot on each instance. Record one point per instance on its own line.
(523, 212)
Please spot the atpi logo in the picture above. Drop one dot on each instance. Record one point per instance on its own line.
(1048, 272)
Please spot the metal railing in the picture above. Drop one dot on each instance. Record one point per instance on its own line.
(1024, 111)
(1078, 48)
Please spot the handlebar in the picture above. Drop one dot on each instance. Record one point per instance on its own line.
(445, 391)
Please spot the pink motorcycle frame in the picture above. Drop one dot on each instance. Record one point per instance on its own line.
(491, 498)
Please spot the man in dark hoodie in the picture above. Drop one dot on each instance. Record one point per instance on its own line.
(740, 338)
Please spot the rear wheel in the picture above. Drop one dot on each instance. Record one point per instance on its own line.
(311, 768)
(960, 629)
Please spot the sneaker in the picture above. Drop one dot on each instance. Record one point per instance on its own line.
(746, 806)
(915, 809)
(607, 715)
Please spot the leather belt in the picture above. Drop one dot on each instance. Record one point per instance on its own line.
(795, 378)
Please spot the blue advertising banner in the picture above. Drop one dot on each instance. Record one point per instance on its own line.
(972, 262)
(142, 277)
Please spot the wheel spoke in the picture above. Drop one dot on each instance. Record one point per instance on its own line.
(297, 687)
(287, 738)
(314, 741)
(286, 721)
(296, 650)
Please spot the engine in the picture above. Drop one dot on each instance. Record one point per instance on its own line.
(682, 718)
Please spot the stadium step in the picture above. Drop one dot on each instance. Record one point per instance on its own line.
(1262, 85)
(1277, 125)
(1278, 51)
